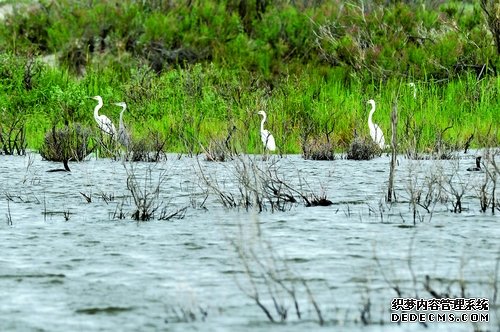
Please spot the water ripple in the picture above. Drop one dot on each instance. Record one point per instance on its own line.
(94, 273)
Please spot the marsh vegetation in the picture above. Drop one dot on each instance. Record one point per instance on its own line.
(193, 221)
(192, 72)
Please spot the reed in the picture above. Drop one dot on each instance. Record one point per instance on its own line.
(189, 106)
(191, 71)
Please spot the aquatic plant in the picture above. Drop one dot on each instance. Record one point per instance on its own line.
(455, 186)
(220, 149)
(314, 199)
(424, 190)
(443, 149)
(66, 215)
(259, 186)
(250, 191)
(12, 134)
(363, 149)
(119, 213)
(268, 280)
(185, 314)
(151, 148)
(146, 198)
(88, 197)
(107, 197)
(217, 150)
(391, 195)
(486, 189)
(67, 143)
(319, 148)
(8, 215)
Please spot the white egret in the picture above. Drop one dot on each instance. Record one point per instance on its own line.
(103, 121)
(375, 131)
(265, 135)
(478, 165)
(414, 89)
(123, 134)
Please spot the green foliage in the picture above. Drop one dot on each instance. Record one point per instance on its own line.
(193, 72)
(395, 40)
(374, 41)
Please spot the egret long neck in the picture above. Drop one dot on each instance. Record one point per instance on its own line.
(121, 117)
(97, 108)
(370, 121)
(262, 122)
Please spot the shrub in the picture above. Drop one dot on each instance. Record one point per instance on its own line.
(151, 148)
(362, 149)
(318, 149)
(67, 143)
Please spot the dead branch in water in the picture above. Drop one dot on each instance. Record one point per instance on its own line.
(258, 185)
(220, 149)
(456, 187)
(12, 134)
(394, 145)
(146, 198)
(269, 281)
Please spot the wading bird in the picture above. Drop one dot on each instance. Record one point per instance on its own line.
(265, 135)
(375, 131)
(478, 165)
(414, 89)
(123, 134)
(103, 121)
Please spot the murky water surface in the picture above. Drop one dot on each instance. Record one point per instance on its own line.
(71, 265)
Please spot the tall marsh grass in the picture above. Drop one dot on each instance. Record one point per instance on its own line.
(193, 71)
(191, 105)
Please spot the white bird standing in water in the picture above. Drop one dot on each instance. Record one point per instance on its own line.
(123, 134)
(265, 135)
(375, 131)
(103, 121)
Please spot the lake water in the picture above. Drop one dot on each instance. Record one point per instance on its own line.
(71, 265)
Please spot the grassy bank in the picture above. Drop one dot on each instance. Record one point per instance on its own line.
(191, 72)
(196, 104)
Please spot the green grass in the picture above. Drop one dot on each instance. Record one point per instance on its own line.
(310, 67)
(202, 102)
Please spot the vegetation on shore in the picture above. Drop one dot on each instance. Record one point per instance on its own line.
(193, 71)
